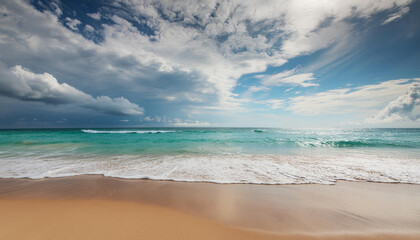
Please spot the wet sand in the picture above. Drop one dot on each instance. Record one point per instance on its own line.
(97, 207)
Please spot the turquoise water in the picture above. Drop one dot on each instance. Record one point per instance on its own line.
(225, 155)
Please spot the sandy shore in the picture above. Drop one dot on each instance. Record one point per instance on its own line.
(96, 207)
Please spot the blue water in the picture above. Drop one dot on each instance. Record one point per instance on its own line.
(224, 155)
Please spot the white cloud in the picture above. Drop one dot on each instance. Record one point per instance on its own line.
(395, 16)
(314, 25)
(400, 109)
(243, 51)
(290, 78)
(195, 51)
(159, 118)
(364, 99)
(89, 28)
(170, 98)
(96, 16)
(252, 89)
(273, 103)
(20, 83)
(55, 7)
(187, 123)
(72, 23)
(286, 78)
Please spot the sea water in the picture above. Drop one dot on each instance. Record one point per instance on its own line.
(220, 155)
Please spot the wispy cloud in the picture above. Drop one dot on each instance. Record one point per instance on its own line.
(188, 123)
(395, 16)
(252, 89)
(289, 78)
(273, 103)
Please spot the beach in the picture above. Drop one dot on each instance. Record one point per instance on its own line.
(210, 183)
(98, 207)
(209, 120)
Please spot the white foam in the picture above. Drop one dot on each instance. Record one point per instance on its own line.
(245, 168)
(125, 131)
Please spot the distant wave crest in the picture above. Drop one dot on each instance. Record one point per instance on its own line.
(259, 130)
(124, 131)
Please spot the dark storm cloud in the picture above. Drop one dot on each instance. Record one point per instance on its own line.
(25, 85)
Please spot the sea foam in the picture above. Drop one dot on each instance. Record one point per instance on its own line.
(257, 169)
(220, 155)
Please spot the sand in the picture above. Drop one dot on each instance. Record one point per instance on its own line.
(97, 207)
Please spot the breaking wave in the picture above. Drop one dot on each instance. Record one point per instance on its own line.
(125, 131)
(242, 168)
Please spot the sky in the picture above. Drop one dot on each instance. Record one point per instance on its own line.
(191, 63)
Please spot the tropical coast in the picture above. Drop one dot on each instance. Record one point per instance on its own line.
(209, 120)
(97, 207)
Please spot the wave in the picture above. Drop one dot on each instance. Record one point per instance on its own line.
(241, 168)
(323, 143)
(125, 131)
(374, 143)
(356, 143)
(259, 130)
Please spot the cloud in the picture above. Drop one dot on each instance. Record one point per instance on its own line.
(115, 106)
(400, 109)
(362, 99)
(72, 23)
(176, 122)
(290, 78)
(89, 28)
(252, 89)
(192, 51)
(322, 24)
(96, 16)
(273, 103)
(126, 59)
(286, 78)
(225, 40)
(21, 83)
(395, 16)
(187, 123)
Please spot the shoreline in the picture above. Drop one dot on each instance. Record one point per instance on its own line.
(336, 181)
(345, 210)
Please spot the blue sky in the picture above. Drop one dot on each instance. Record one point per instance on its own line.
(209, 63)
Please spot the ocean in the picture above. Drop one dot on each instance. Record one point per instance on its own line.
(219, 155)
